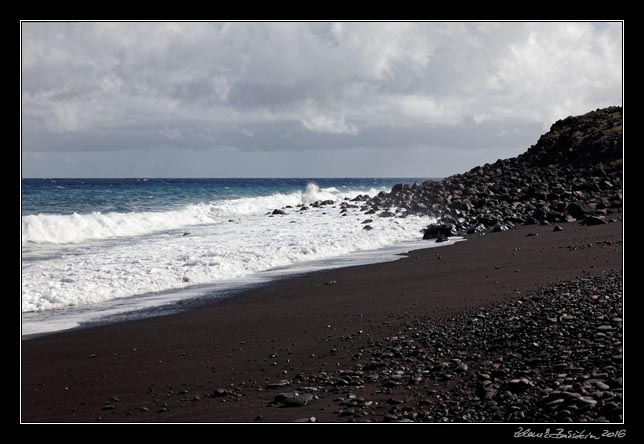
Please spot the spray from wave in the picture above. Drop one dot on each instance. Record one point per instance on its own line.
(74, 228)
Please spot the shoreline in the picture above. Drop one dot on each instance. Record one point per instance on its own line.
(174, 301)
(180, 367)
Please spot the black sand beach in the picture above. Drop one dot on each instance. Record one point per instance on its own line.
(161, 160)
(386, 342)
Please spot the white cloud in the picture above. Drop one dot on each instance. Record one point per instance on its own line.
(329, 124)
(80, 79)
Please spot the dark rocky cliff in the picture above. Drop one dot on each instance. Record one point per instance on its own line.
(573, 172)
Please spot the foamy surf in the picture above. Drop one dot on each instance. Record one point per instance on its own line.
(74, 228)
(164, 302)
(78, 267)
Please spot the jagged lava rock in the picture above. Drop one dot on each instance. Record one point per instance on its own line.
(574, 171)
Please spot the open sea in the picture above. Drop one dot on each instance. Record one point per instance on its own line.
(104, 250)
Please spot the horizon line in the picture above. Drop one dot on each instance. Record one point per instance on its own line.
(242, 177)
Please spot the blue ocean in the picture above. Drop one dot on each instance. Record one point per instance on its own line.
(94, 248)
(68, 196)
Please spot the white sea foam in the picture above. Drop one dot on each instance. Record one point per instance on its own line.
(73, 228)
(160, 303)
(60, 229)
(80, 260)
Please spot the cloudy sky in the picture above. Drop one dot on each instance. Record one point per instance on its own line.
(302, 99)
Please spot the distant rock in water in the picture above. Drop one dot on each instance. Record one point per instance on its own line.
(573, 172)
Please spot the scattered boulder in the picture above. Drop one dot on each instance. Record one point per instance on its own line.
(435, 231)
(293, 399)
(578, 211)
(220, 392)
(278, 384)
(476, 229)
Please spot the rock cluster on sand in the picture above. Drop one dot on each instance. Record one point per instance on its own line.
(573, 172)
(552, 356)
